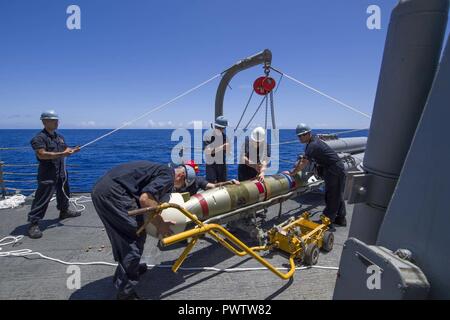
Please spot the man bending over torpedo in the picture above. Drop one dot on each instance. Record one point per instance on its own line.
(127, 187)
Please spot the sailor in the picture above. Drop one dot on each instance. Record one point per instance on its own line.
(51, 149)
(216, 149)
(332, 169)
(127, 187)
(200, 183)
(255, 154)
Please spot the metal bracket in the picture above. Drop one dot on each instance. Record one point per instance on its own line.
(370, 188)
(356, 187)
(375, 272)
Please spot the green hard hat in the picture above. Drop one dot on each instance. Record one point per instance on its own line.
(50, 114)
(302, 129)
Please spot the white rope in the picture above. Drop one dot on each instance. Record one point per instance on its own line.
(328, 96)
(287, 161)
(12, 240)
(151, 111)
(12, 201)
(323, 94)
(347, 131)
(77, 202)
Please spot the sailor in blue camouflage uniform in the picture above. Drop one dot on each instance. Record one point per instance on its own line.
(51, 149)
(332, 169)
(130, 186)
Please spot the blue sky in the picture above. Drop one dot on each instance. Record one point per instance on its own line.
(130, 56)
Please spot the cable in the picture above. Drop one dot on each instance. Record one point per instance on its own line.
(267, 110)
(279, 81)
(245, 109)
(12, 240)
(151, 111)
(272, 110)
(76, 201)
(14, 148)
(287, 161)
(349, 131)
(251, 119)
(322, 93)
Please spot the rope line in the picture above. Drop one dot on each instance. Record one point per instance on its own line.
(323, 94)
(151, 111)
(279, 82)
(15, 148)
(259, 107)
(245, 109)
(12, 240)
(265, 118)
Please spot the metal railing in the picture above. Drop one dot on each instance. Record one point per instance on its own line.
(22, 177)
(13, 177)
(2, 182)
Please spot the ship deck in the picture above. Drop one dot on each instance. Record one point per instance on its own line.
(36, 278)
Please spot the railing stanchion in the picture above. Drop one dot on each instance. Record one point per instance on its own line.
(2, 182)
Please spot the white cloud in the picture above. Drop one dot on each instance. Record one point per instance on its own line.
(322, 125)
(169, 124)
(89, 123)
(204, 124)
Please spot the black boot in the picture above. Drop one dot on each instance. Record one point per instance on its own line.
(128, 296)
(33, 231)
(340, 221)
(142, 268)
(64, 214)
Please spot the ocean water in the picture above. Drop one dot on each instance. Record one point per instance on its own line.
(123, 146)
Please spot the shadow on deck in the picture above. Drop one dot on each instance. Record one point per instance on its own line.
(69, 240)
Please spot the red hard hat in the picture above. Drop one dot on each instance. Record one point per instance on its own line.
(193, 165)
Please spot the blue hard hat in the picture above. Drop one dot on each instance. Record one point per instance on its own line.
(190, 175)
(221, 122)
(302, 129)
(50, 114)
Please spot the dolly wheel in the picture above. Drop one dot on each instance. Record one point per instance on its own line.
(328, 241)
(311, 254)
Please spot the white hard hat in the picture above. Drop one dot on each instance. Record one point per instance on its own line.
(258, 134)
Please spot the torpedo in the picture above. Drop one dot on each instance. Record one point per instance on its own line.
(221, 200)
(233, 200)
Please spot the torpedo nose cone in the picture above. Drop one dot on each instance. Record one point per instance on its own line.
(171, 214)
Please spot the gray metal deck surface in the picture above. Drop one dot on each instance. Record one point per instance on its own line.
(36, 278)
